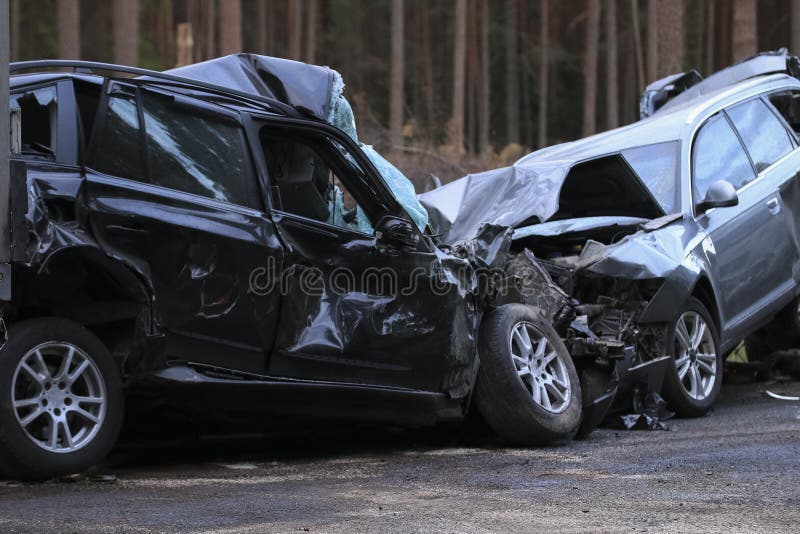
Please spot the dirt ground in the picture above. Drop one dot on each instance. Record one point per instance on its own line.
(736, 470)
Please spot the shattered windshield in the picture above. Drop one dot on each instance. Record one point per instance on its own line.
(657, 167)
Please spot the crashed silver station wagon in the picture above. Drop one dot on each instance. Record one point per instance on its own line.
(678, 234)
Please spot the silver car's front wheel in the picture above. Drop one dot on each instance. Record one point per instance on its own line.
(693, 384)
(59, 397)
(696, 355)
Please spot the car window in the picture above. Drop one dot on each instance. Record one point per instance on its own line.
(38, 109)
(788, 105)
(763, 134)
(306, 179)
(718, 155)
(196, 153)
(657, 167)
(118, 151)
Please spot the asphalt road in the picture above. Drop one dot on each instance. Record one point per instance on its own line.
(736, 470)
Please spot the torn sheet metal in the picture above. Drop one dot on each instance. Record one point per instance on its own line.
(316, 90)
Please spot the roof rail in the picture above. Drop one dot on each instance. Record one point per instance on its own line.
(91, 66)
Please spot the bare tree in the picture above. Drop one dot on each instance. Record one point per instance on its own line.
(13, 20)
(485, 106)
(311, 31)
(670, 38)
(512, 72)
(211, 28)
(397, 76)
(456, 126)
(544, 71)
(710, 26)
(294, 29)
(795, 27)
(590, 68)
(637, 45)
(652, 40)
(612, 87)
(69, 29)
(230, 26)
(745, 41)
(126, 32)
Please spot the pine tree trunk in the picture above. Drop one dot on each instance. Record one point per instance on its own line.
(397, 76)
(652, 41)
(311, 31)
(69, 29)
(637, 45)
(544, 71)
(710, 38)
(430, 87)
(484, 111)
(294, 29)
(612, 87)
(512, 72)
(670, 38)
(590, 68)
(126, 32)
(211, 28)
(14, 30)
(795, 27)
(745, 41)
(230, 27)
(456, 130)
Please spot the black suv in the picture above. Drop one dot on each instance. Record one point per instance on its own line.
(227, 246)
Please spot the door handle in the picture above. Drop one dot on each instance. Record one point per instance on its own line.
(773, 206)
(129, 231)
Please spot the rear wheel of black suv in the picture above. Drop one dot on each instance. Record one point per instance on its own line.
(527, 390)
(61, 401)
(693, 384)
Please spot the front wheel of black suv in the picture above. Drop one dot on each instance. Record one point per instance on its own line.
(527, 390)
(61, 400)
(692, 385)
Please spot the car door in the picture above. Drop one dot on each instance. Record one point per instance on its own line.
(750, 241)
(172, 192)
(359, 304)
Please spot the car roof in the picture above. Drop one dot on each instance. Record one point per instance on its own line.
(666, 125)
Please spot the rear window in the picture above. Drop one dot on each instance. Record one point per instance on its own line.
(763, 134)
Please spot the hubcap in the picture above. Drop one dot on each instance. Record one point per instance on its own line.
(540, 368)
(695, 355)
(59, 397)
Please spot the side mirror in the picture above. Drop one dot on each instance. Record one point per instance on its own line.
(720, 194)
(397, 232)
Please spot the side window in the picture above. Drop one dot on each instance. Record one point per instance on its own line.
(763, 134)
(717, 154)
(38, 110)
(788, 104)
(305, 179)
(195, 152)
(118, 150)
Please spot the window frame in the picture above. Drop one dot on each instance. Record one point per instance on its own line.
(693, 153)
(794, 136)
(781, 121)
(136, 91)
(66, 150)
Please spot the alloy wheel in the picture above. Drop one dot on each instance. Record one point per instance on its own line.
(59, 397)
(695, 355)
(540, 368)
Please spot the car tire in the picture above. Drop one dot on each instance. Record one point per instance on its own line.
(525, 368)
(692, 385)
(61, 400)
